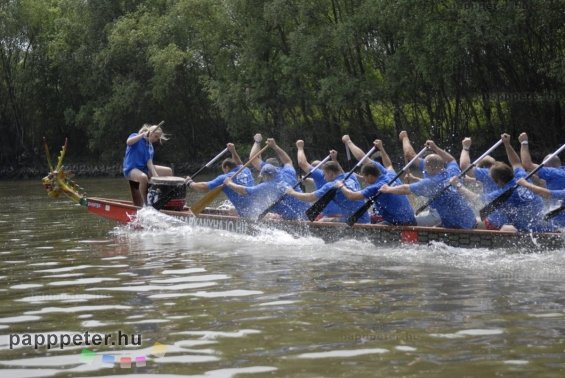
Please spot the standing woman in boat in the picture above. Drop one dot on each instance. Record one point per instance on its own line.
(138, 160)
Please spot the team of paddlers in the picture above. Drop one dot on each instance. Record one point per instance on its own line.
(454, 191)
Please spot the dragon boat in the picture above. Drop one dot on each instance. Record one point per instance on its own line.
(124, 211)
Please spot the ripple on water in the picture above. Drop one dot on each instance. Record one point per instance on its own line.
(341, 353)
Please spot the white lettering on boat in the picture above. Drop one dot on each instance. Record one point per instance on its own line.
(230, 225)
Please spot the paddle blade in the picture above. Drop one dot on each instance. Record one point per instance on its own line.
(320, 204)
(553, 213)
(359, 213)
(495, 204)
(201, 204)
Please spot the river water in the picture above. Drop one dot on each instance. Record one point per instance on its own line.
(204, 303)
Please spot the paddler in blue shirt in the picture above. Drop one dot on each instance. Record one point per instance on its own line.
(241, 203)
(552, 172)
(482, 173)
(452, 208)
(345, 207)
(523, 210)
(332, 210)
(275, 182)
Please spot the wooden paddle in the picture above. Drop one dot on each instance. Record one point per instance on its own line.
(314, 210)
(462, 174)
(294, 187)
(501, 199)
(363, 209)
(209, 197)
(166, 197)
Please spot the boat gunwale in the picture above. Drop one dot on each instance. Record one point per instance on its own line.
(420, 229)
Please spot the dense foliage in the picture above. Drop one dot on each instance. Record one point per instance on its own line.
(221, 70)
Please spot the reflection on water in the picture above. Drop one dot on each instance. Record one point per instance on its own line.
(201, 302)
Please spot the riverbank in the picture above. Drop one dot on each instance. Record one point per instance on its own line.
(83, 170)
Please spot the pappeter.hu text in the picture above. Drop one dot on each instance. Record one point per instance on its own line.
(62, 340)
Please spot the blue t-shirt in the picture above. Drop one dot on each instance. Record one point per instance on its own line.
(242, 204)
(558, 194)
(452, 208)
(345, 207)
(137, 155)
(482, 175)
(555, 180)
(523, 209)
(395, 209)
(267, 193)
(331, 209)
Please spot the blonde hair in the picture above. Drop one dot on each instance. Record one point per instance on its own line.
(154, 128)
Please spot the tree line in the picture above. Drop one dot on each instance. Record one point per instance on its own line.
(218, 71)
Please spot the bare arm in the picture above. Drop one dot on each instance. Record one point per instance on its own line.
(301, 157)
(545, 193)
(525, 153)
(201, 187)
(333, 156)
(240, 189)
(234, 154)
(400, 189)
(356, 151)
(446, 156)
(254, 149)
(513, 157)
(409, 152)
(465, 159)
(136, 138)
(281, 154)
(469, 195)
(350, 194)
(384, 156)
(307, 197)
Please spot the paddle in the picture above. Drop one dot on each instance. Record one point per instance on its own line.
(209, 197)
(501, 199)
(553, 213)
(359, 213)
(294, 187)
(462, 174)
(314, 210)
(166, 197)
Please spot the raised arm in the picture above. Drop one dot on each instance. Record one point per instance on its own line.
(407, 149)
(513, 157)
(333, 156)
(464, 158)
(356, 151)
(254, 149)
(301, 157)
(234, 154)
(525, 153)
(446, 156)
(136, 138)
(281, 154)
(384, 156)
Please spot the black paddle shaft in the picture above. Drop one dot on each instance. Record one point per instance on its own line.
(314, 210)
(555, 212)
(268, 209)
(501, 199)
(359, 213)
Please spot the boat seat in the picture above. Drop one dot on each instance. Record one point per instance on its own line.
(136, 196)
